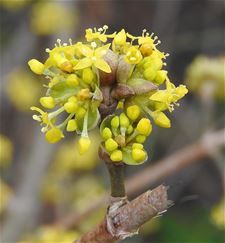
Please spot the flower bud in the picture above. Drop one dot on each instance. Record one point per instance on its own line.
(124, 121)
(144, 127)
(154, 62)
(130, 129)
(150, 73)
(83, 94)
(71, 107)
(133, 112)
(140, 138)
(72, 80)
(71, 125)
(120, 38)
(80, 113)
(146, 49)
(106, 133)
(115, 122)
(111, 145)
(160, 77)
(47, 102)
(137, 146)
(88, 75)
(161, 119)
(138, 154)
(36, 66)
(84, 144)
(54, 135)
(116, 156)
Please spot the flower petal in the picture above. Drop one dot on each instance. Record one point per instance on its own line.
(102, 65)
(85, 50)
(101, 51)
(83, 63)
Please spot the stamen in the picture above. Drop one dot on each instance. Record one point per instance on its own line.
(36, 118)
(47, 50)
(58, 41)
(44, 129)
(105, 27)
(93, 44)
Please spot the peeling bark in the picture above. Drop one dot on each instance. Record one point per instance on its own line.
(124, 221)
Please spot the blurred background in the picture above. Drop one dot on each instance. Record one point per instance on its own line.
(43, 184)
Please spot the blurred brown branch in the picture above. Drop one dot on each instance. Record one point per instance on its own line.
(160, 169)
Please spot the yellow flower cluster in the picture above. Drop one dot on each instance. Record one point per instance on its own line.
(124, 136)
(205, 76)
(22, 89)
(77, 73)
(44, 23)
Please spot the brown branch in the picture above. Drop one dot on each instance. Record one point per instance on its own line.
(125, 221)
(162, 168)
(116, 173)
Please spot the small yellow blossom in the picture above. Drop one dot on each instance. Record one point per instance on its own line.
(93, 57)
(133, 55)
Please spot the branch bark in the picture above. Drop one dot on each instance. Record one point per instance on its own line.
(125, 221)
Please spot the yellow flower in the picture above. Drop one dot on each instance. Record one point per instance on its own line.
(166, 98)
(93, 57)
(43, 117)
(91, 36)
(133, 55)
